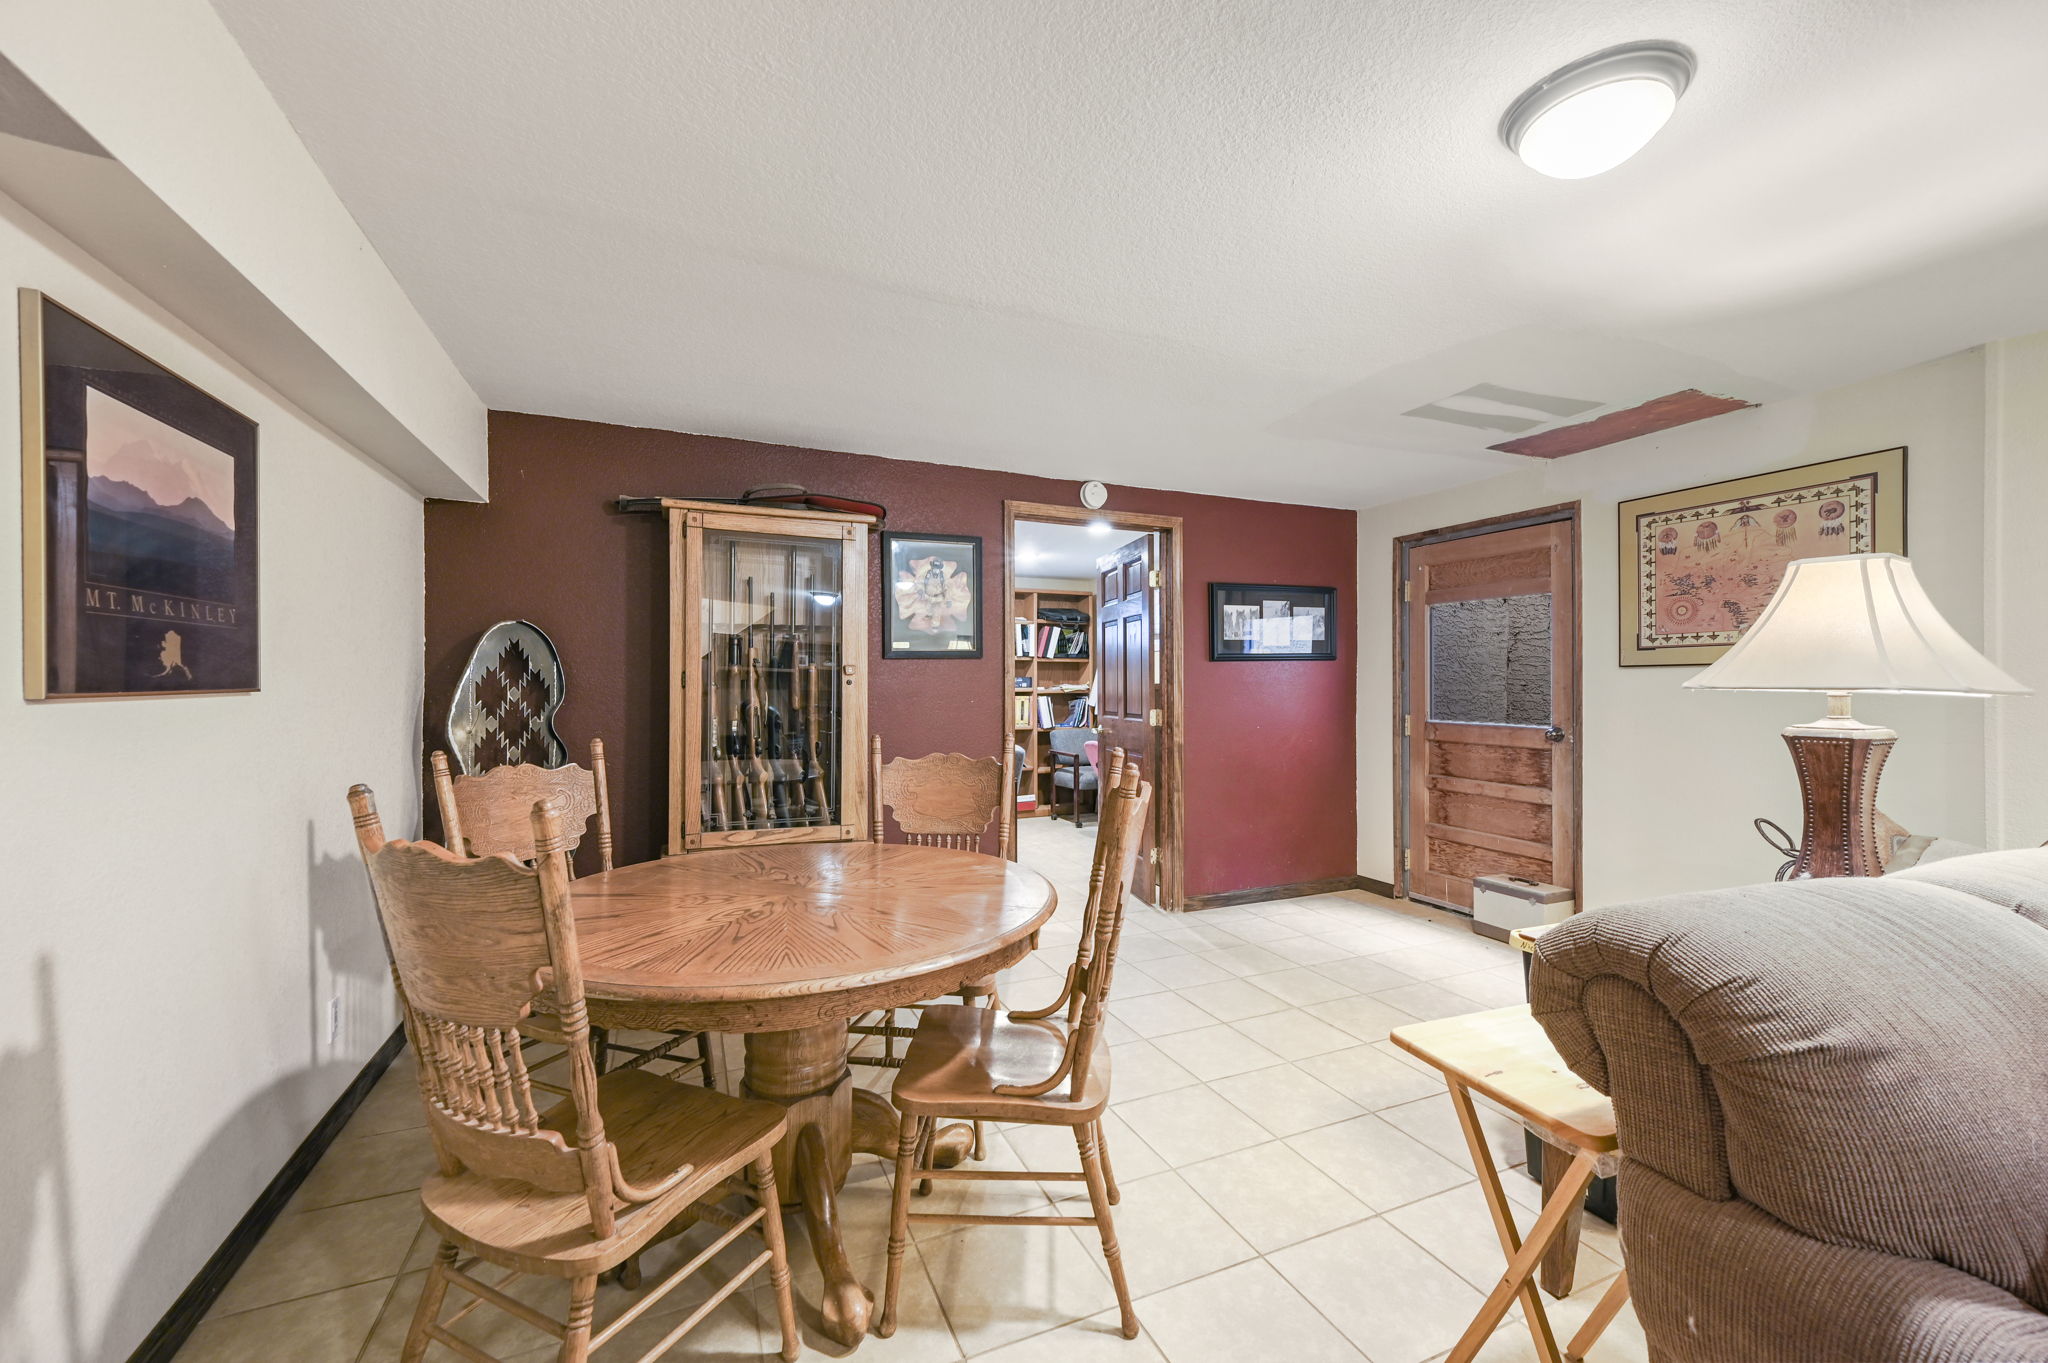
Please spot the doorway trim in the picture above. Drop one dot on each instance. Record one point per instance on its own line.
(1403, 546)
(1168, 786)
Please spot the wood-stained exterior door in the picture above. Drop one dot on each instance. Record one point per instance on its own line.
(1490, 710)
(1127, 678)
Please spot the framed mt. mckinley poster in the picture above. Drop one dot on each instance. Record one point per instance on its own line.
(140, 570)
(1698, 566)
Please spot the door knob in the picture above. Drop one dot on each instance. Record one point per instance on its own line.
(1554, 734)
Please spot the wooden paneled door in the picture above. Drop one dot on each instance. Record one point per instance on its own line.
(1127, 678)
(1489, 708)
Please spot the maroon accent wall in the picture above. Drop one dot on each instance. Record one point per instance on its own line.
(1270, 746)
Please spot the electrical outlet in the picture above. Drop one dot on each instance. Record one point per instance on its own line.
(334, 1020)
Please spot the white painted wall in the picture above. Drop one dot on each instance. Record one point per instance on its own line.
(2016, 586)
(1672, 778)
(182, 895)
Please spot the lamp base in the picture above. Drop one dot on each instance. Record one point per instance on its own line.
(1838, 769)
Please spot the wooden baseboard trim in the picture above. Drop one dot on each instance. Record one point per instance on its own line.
(170, 1332)
(1299, 890)
(1383, 888)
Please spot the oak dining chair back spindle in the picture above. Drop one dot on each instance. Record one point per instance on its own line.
(568, 1190)
(1045, 1066)
(942, 799)
(489, 815)
(486, 814)
(1091, 911)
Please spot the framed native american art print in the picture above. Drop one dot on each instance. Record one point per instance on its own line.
(1698, 565)
(931, 607)
(138, 521)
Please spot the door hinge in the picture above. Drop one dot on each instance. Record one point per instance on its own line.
(1407, 859)
(1154, 577)
(1407, 726)
(1151, 856)
(1407, 591)
(1155, 718)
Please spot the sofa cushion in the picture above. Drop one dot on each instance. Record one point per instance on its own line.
(2018, 879)
(1874, 1050)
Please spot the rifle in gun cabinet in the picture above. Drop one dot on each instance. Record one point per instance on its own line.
(782, 671)
(753, 724)
(717, 816)
(814, 770)
(776, 722)
(729, 702)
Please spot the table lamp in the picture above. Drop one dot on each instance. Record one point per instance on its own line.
(1842, 624)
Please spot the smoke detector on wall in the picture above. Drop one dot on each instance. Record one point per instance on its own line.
(1094, 496)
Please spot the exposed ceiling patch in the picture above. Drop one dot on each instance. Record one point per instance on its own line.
(1658, 414)
(1492, 407)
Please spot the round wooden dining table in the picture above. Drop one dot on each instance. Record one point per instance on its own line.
(788, 943)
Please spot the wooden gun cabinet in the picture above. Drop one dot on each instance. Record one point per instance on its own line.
(768, 685)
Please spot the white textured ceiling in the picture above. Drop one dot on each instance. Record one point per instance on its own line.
(1217, 245)
(1045, 550)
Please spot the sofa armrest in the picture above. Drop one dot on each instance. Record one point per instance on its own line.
(1591, 988)
(1719, 1280)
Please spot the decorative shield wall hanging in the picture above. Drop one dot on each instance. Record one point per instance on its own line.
(504, 709)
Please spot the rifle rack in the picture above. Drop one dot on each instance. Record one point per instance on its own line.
(768, 653)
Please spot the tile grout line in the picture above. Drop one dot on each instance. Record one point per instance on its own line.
(378, 1319)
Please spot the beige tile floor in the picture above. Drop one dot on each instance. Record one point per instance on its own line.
(1294, 1187)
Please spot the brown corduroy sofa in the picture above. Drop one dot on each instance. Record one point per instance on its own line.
(1832, 1097)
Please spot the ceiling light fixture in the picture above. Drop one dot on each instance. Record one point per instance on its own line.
(1598, 111)
(1099, 527)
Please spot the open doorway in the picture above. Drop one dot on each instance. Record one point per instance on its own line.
(1097, 658)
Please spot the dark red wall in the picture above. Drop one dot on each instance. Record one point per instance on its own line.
(1270, 751)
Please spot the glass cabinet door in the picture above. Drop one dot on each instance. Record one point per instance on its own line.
(775, 653)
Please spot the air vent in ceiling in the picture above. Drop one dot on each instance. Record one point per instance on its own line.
(1491, 407)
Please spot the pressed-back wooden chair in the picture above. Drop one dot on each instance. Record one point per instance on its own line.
(939, 800)
(572, 1190)
(942, 799)
(1043, 1066)
(490, 815)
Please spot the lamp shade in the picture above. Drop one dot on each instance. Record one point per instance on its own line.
(1854, 622)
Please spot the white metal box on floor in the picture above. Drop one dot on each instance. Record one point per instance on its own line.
(1503, 903)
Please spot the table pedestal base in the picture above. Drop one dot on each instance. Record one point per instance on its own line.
(829, 1119)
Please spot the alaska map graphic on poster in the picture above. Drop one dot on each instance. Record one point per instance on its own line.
(1706, 572)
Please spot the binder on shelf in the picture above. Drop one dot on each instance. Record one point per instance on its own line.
(1051, 641)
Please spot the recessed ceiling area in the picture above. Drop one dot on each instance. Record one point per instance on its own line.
(1218, 248)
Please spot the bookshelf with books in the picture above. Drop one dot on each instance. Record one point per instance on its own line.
(1053, 665)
